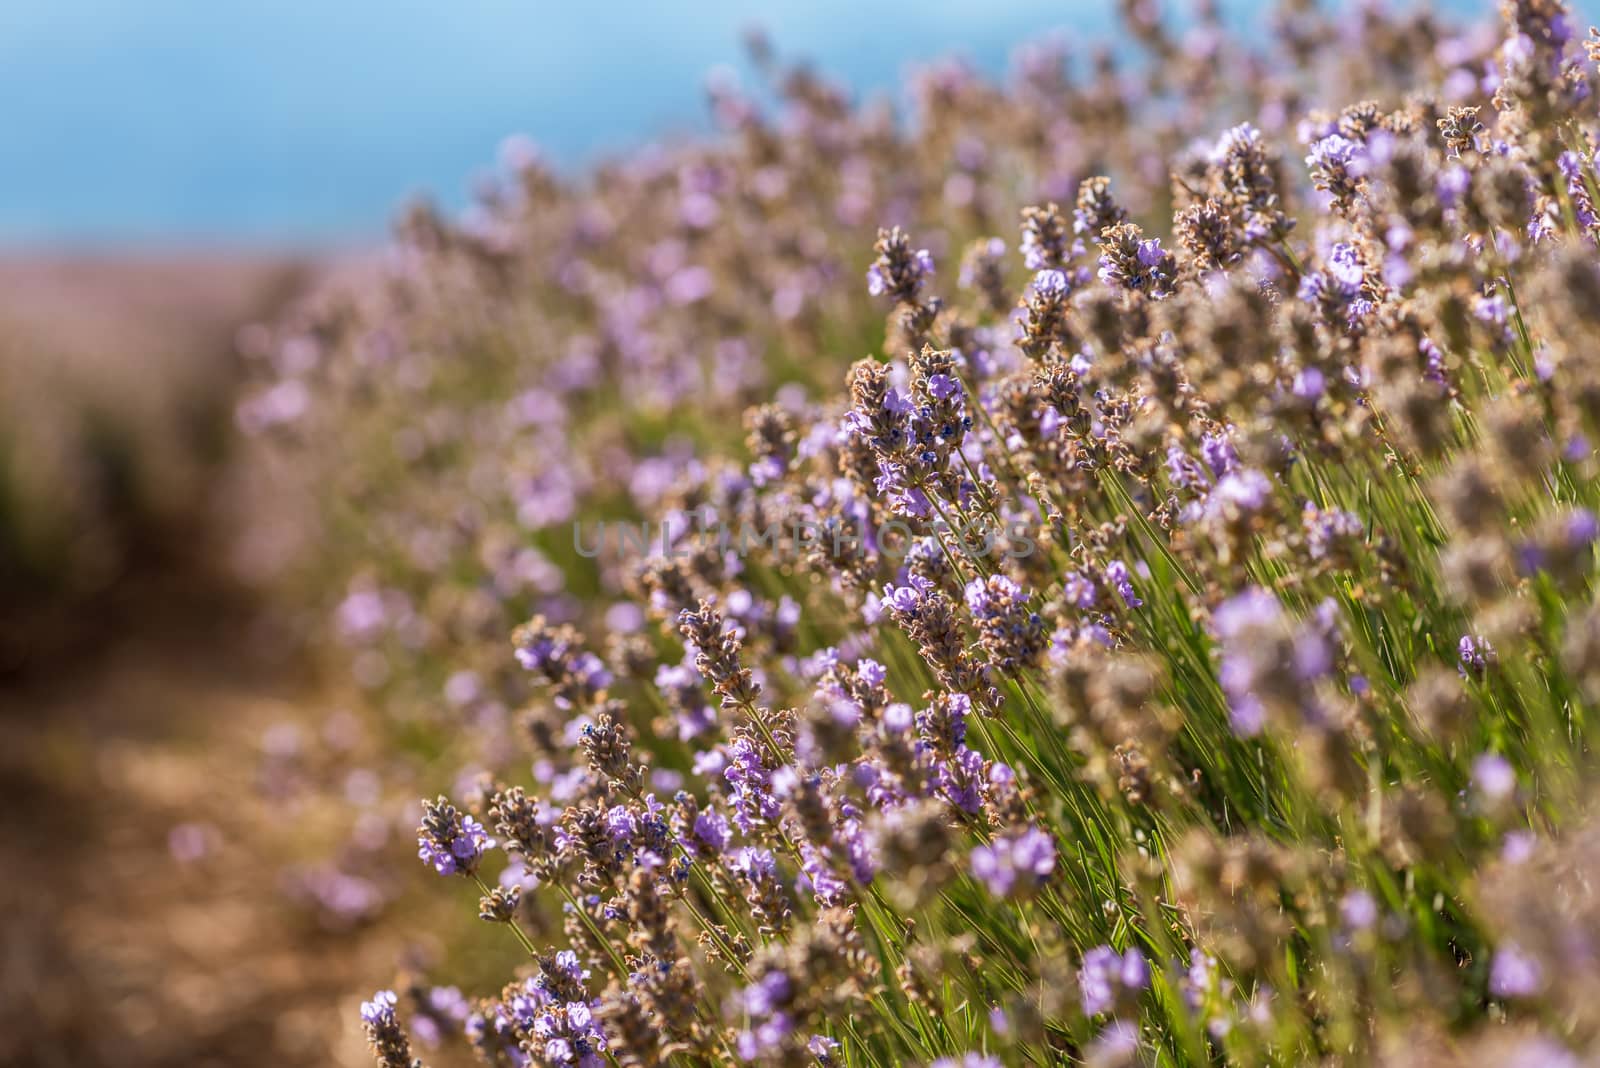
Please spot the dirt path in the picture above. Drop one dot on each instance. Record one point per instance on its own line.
(142, 917)
(146, 924)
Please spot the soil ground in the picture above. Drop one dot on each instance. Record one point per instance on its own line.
(141, 919)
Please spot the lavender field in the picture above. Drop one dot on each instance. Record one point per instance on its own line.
(1095, 567)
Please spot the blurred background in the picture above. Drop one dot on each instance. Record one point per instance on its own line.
(170, 172)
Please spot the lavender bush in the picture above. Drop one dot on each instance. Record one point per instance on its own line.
(1270, 746)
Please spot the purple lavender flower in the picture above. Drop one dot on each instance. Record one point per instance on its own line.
(441, 1011)
(1218, 453)
(556, 655)
(1474, 654)
(1543, 225)
(1052, 283)
(384, 1033)
(768, 994)
(681, 690)
(754, 802)
(1128, 260)
(822, 1048)
(1452, 185)
(766, 1001)
(1010, 632)
(819, 877)
(1333, 151)
(1309, 383)
(960, 780)
(1184, 471)
(1572, 167)
(1359, 910)
(1514, 974)
(907, 600)
(1338, 289)
(1110, 981)
(1244, 491)
(1337, 165)
(380, 1010)
(1494, 777)
(899, 271)
(1119, 578)
(1268, 662)
(1078, 589)
(1492, 310)
(1151, 254)
(1433, 361)
(448, 841)
(1020, 863)
(1326, 530)
(1582, 526)
(1253, 608)
(711, 830)
(943, 386)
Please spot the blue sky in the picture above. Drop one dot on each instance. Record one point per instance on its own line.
(291, 122)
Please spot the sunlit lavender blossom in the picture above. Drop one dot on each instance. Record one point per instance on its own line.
(384, 1033)
(450, 842)
(1514, 974)
(1015, 864)
(1110, 980)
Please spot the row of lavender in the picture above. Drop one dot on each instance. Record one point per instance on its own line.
(1160, 651)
